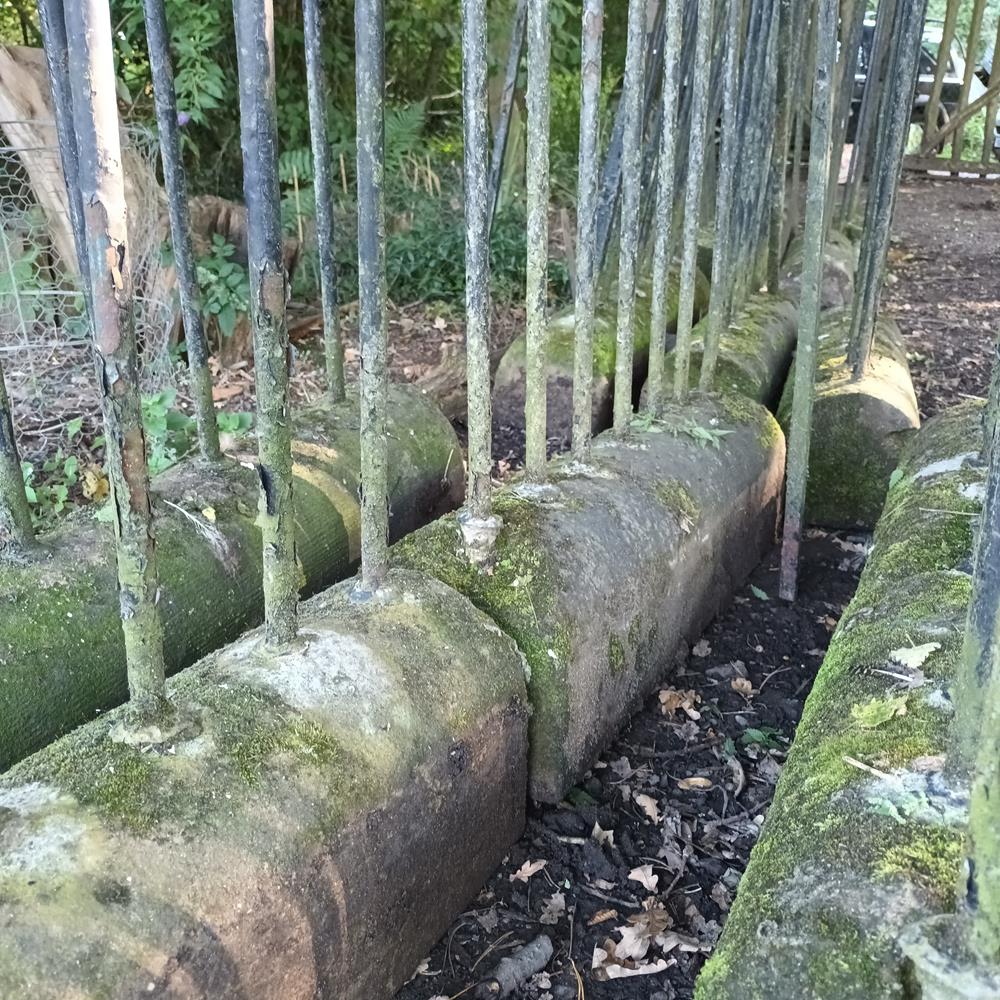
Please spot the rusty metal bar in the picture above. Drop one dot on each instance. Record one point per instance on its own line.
(175, 182)
(537, 193)
(317, 94)
(632, 91)
(254, 21)
(16, 532)
(51, 18)
(479, 525)
(586, 225)
(718, 302)
(874, 81)
(102, 188)
(502, 132)
(666, 196)
(887, 158)
(814, 239)
(692, 200)
(782, 135)
(369, 27)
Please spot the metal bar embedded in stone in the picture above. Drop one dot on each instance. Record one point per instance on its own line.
(254, 21)
(887, 160)
(971, 45)
(692, 200)
(874, 82)
(175, 182)
(479, 525)
(537, 194)
(666, 196)
(317, 94)
(101, 183)
(502, 132)
(721, 259)
(632, 89)
(52, 20)
(814, 239)
(782, 136)
(369, 25)
(586, 225)
(16, 532)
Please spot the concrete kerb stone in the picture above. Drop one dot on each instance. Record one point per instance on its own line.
(62, 656)
(755, 350)
(328, 812)
(605, 574)
(860, 426)
(865, 835)
(508, 384)
(840, 261)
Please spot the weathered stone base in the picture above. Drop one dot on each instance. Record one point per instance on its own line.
(754, 351)
(330, 810)
(62, 656)
(866, 830)
(860, 426)
(840, 261)
(605, 574)
(508, 385)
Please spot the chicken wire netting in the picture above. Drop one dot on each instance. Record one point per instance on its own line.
(45, 348)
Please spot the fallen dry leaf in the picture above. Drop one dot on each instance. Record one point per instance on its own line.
(528, 869)
(743, 685)
(602, 916)
(554, 908)
(603, 837)
(645, 877)
(701, 648)
(671, 699)
(648, 805)
(694, 784)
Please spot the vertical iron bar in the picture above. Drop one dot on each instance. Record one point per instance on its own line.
(692, 201)
(538, 238)
(632, 90)
(874, 82)
(586, 225)
(970, 68)
(317, 93)
(779, 151)
(165, 99)
(721, 273)
(259, 140)
(887, 161)
(941, 68)
(369, 26)
(102, 189)
(16, 532)
(666, 196)
(51, 17)
(850, 45)
(814, 237)
(502, 133)
(479, 525)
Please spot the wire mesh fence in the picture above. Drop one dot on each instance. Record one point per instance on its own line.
(44, 331)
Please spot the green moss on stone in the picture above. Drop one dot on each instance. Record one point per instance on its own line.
(677, 498)
(616, 654)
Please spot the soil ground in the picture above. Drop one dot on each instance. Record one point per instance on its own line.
(657, 834)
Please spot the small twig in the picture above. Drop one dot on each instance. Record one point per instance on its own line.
(941, 510)
(489, 949)
(610, 899)
(861, 766)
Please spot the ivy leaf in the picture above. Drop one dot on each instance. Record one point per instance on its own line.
(761, 595)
